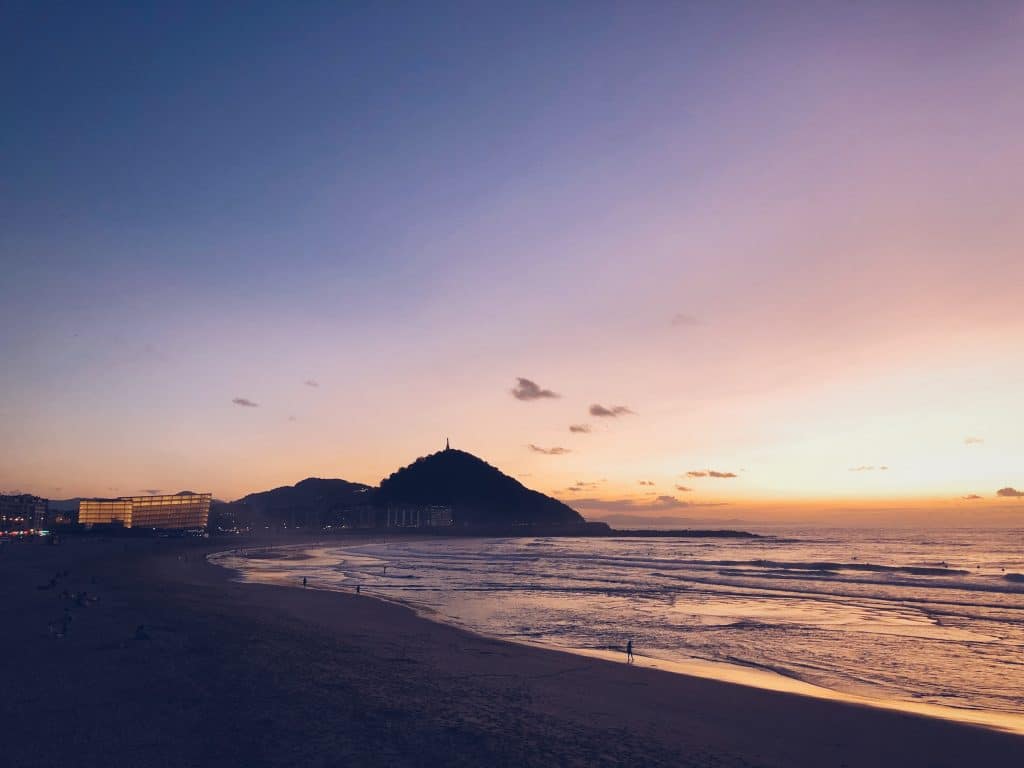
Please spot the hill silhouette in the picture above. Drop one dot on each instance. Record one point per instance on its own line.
(314, 502)
(478, 493)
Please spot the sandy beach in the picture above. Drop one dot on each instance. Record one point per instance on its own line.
(168, 662)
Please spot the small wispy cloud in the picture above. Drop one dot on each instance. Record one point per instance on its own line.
(1011, 493)
(152, 491)
(581, 485)
(709, 473)
(973, 440)
(683, 319)
(610, 412)
(868, 468)
(971, 497)
(645, 482)
(580, 429)
(311, 383)
(683, 488)
(291, 418)
(555, 451)
(526, 389)
(245, 402)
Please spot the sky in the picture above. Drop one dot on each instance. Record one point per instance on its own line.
(782, 243)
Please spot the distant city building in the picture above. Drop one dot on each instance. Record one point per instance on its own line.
(61, 517)
(419, 516)
(22, 513)
(180, 511)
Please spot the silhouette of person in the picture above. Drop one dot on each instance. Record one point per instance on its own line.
(629, 651)
(357, 589)
(303, 581)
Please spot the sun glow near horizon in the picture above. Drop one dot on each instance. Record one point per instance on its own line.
(782, 246)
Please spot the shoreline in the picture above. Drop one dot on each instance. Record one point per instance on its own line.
(740, 674)
(228, 673)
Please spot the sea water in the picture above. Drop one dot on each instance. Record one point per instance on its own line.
(918, 616)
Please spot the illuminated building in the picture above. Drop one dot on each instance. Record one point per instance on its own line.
(182, 510)
(22, 512)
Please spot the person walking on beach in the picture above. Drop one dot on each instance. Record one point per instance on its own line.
(629, 651)
(303, 581)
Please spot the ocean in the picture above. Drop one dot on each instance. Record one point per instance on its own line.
(911, 617)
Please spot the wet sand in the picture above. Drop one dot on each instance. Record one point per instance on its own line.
(232, 674)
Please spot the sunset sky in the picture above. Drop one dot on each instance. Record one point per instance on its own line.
(243, 247)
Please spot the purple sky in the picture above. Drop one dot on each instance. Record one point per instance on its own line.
(788, 239)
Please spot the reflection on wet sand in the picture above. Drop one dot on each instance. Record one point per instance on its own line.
(892, 619)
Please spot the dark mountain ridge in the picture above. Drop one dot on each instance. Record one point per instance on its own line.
(315, 502)
(478, 494)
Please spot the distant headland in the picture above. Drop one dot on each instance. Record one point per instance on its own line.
(448, 493)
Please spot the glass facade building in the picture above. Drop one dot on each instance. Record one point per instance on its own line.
(182, 510)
